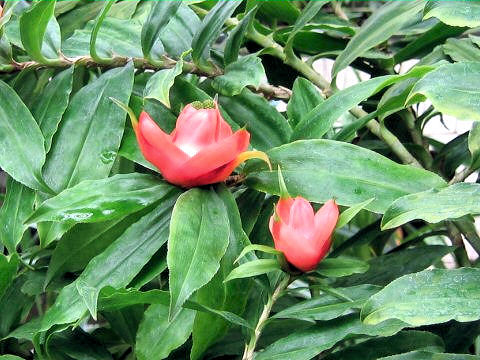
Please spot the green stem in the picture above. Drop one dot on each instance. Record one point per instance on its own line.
(250, 347)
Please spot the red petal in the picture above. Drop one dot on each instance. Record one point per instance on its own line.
(197, 129)
(157, 148)
(325, 221)
(218, 154)
(283, 209)
(302, 216)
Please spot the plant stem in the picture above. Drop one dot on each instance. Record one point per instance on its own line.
(250, 347)
(461, 176)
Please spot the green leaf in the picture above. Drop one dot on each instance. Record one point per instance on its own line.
(209, 31)
(385, 268)
(16, 208)
(394, 98)
(402, 342)
(116, 266)
(380, 26)
(305, 97)
(33, 26)
(226, 298)
(267, 127)
(8, 270)
(434, 205)
(341, 266)
(10, 357)
(71, 255)
(320, 170)
(327, 306)
(158, 86)
(320, 119)
(312, 8)
(198, 239)
(253, 268)
(98, 124)
(247, 71)
(427, 297)
(234, 41)
(49, 108)
(306, 344)
(257, 247)
(464, 13)
(461, 50)
(101, 200)
(120, 37)
(474, 145)
(157, 336)
(21, 146)
(347, 215)
(160, 15)
(450, 88)
(426, 355)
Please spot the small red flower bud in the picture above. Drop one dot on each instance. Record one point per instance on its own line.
(302, 236)
(201, 150)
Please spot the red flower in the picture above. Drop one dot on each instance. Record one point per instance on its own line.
(302, 236)
(201, 150)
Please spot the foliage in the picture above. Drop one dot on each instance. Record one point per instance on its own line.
(101, 258)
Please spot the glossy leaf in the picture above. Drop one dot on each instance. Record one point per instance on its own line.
(341, 266)
(253, 268)
(427, 297)
(310, 10)
(474, 145)
(347, 215)
(229, 298)
(160, 15)
(211, 27)
(234, 41)
(8, 270)
(306, 344)
(101, 200)
(379, 27)
(434, 205)
(246, 71)
(90, 154)
(48, 111)
(426, 355)
(468, 14)
(21, 146)
(402, 342)
(72, 255)
(450, 88)
(320, 170)
(16, 208)
(197, 242)
(257, 247)
(158, 86)
(462, 50)
(267, 127)
(116, 266)
(385, 268)
(33, 26)
(327, 306)
(157, 336)
(320, 119)
(305, 97)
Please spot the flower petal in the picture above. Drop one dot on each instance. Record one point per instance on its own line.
(218, 154)
(302, 216)
(325, 221)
